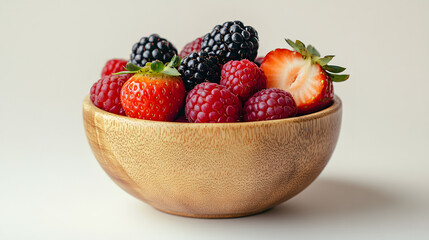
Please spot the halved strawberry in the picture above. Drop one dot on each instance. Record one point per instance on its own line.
(304, 74)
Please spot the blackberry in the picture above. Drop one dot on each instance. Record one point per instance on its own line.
(232, 41)
(199, 67)
(152, 48)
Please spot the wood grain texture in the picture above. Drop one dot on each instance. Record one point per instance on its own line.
(213, 170)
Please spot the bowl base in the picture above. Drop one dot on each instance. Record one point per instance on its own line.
(213, 216)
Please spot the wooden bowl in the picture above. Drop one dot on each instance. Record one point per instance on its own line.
(213, 170)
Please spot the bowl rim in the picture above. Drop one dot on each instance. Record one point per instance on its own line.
(334, 107)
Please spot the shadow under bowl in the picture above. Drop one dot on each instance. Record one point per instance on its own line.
(213, 170)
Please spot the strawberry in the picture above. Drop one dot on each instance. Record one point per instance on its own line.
(155, 92)
(304, 74)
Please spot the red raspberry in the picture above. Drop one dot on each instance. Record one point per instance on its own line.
(243, 78)
(194, 46)
(259, 61)
(211, 102)
(269, 104)
(113, 66)
(105, 93)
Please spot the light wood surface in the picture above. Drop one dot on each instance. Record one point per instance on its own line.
(213, 170)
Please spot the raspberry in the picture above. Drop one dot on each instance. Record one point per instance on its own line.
(211, 102)
(269, 104)
(259, 61)
(194, 46)
(243, 78)
(105, 93)
(113, 66)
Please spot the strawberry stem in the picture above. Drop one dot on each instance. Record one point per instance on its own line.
(155, 67)
(310, 52)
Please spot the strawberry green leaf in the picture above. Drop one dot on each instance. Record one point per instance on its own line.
(171, 71)
(157, 66)
(338, 78)
(313, 50)
(132, 67)
(325, 60)
(124, 72)
(304, 52)
(300, 44)
(334, 69)
(175, 62)
(292, 44)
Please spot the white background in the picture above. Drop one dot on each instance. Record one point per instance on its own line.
(374, 187)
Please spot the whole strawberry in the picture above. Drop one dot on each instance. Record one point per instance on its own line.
(243, 78)
(113, 66)
(155, 92)
(194, 46)
(304, 74)
(269, 104)
(105, 93)
(212, 103)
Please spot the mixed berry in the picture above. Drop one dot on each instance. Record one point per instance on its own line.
(217, 78)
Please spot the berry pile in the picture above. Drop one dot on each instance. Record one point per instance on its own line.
(217, 78)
